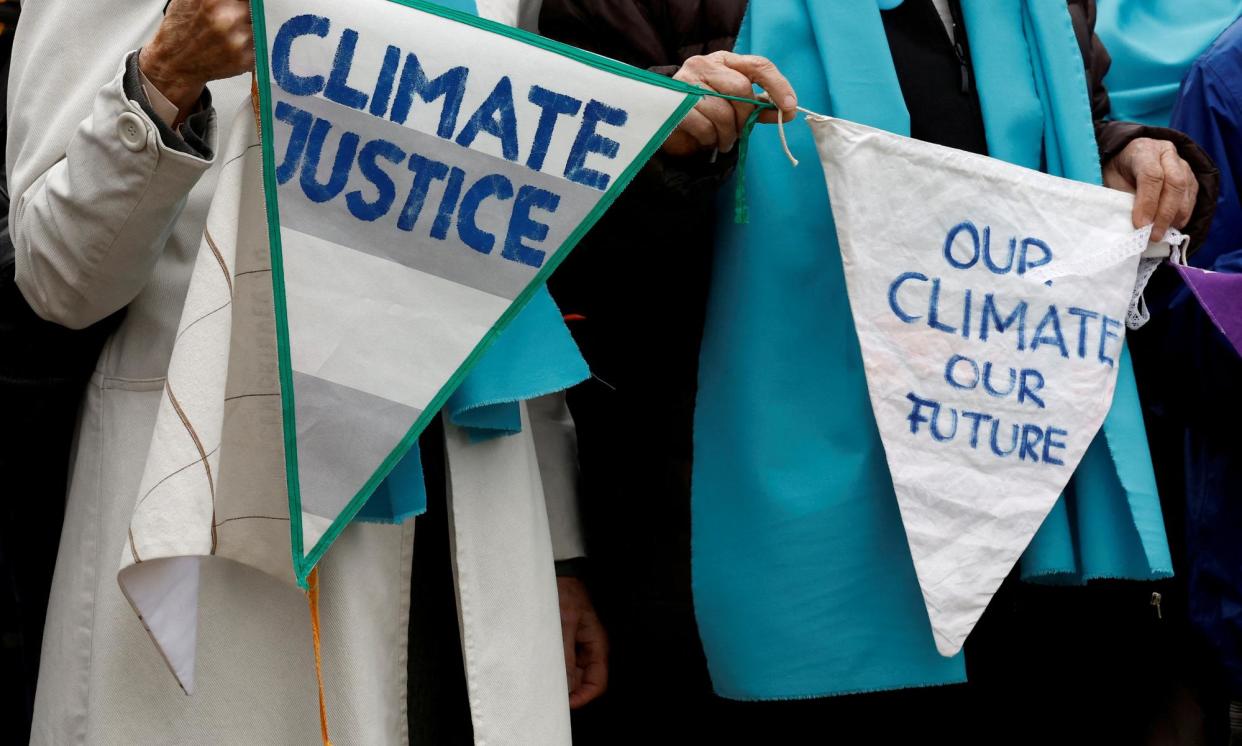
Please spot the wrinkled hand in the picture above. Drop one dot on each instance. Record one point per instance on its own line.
(586, 643)
(198, 41)
(1163, 185)
(716, 123)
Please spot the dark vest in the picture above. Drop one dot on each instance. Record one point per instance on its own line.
(936, 79)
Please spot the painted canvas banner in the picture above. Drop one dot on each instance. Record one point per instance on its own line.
(425, 172)
(990, 303)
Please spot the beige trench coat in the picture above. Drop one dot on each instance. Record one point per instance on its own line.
(106, 215)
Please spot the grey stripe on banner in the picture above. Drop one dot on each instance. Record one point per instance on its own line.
(343, 436)
(450, 258)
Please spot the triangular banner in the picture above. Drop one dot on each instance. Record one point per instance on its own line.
(989, 301)
(1220, 295)
(425, 172)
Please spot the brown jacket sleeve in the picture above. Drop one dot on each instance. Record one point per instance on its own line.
(1113, 136)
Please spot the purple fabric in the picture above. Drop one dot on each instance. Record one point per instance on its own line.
(1220, 294)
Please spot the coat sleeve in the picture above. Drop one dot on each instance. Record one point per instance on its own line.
(1209, 110)
(1181, 336)
(1113, 136)
(96, 179)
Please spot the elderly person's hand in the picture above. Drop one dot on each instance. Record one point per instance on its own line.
(716, 123)
(1163, 185)
(198, 41)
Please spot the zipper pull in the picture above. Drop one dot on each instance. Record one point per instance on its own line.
(1155, 601)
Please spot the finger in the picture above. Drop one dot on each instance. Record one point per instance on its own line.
(688, 74)
(1148, 179)
(234, 15)
(1192, 197)
(1172, 192)
(723, 119)
(569, 629)
(699, 127)
(594, 674)
(593, 683)
(772, 116)
(592, 643)
(729, 81)
(725, 79)
(243, 42)
(760, 70)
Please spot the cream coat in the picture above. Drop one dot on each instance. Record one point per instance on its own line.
(103, 220)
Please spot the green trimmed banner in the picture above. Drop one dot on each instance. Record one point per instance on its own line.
(425, 172)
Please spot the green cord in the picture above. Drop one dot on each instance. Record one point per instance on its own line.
(741, 210)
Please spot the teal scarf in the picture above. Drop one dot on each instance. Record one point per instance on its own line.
(533, 357)
(802, 576)
(1153, 43)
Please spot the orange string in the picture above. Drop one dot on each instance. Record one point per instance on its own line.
(313, 597)
(254, 100)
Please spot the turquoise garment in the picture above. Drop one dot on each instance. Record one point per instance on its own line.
(802, 575)
(534, 356)
(401, 496)
(1153, 43)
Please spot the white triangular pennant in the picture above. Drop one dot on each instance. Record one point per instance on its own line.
(990, 304)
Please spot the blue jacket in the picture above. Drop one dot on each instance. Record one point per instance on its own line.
(1191, 375)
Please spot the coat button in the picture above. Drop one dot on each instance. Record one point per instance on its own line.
(132, 131)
